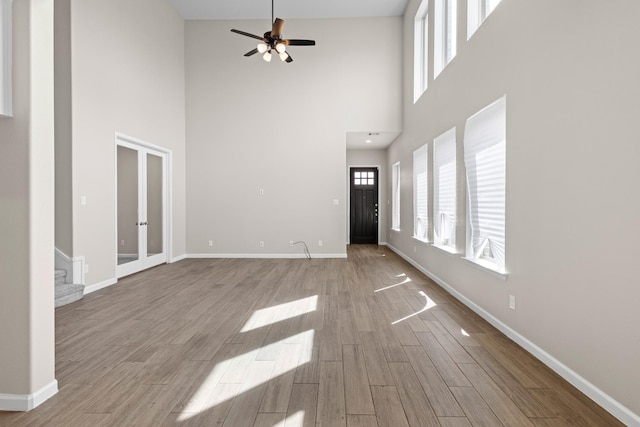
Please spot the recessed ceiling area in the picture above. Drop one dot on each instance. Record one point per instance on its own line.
(378, 140)
(288, 9)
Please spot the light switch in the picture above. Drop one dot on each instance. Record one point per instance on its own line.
(83, 200)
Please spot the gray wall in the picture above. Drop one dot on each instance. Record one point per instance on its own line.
(127, 77)
(279, 127)
(570, 72)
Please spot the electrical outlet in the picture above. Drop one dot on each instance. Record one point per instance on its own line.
(512, 302)
(121, 242)
(261, 244)
(86, 268)
(414, 249)
(320, 243)
(210, 242)
(261, 192)
(290, 242)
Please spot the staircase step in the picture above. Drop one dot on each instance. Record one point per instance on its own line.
(67, 293)
(60, 277)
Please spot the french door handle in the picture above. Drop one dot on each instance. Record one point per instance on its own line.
(143, 223)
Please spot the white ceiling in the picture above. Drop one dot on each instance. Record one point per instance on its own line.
(373, 140)
(291, 9)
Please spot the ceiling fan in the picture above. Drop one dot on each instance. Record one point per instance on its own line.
(273, 41)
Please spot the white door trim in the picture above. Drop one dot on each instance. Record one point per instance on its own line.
(137, 144)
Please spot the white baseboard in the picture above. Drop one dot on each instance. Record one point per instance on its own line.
(73, 266)
(178, 258)
(26, 402)
(265, 256)
(611, 405)
(97, 286)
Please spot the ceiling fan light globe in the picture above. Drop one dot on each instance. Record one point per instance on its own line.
(283, 56)
(262, 48)
(281, 47)
(267, 56)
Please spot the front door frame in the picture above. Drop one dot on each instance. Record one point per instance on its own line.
(349, 167)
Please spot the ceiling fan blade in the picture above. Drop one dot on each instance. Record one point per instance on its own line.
(253, 36)
(296, 42)
(251, 52)
(276, 30)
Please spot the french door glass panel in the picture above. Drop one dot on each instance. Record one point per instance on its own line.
(141, 208)
(128, 228)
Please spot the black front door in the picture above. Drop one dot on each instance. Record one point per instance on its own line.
(364, 205)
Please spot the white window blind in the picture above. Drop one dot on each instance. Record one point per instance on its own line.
(5, 58)
(420, 195)
(444, 189)
(395, 196)
(485, 163)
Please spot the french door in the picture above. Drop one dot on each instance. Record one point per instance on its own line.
(141, 207)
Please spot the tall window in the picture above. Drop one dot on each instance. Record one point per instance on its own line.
(420, 196)
(444, 190)
(421, 50)
(477, 12)
(444, 34)
(485, 163)
(395, 196)
(5, 58)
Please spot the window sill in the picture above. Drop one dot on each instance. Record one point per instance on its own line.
(419, 239)
(488, 267)
(397, 230)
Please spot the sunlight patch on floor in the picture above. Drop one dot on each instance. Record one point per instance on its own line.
(429, 303)
(294, 420)
(278, 313)
(246, 371)
(404, 282)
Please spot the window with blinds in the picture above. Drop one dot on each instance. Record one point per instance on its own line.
(444, 190)
(485, 163)
(420, 195)
(5, 58)
(395, 196)
(421, 50)
(477, 12)
(444, 34)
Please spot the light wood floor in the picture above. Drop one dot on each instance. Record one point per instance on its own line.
(367, 341)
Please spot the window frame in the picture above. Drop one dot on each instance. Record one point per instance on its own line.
(395, 196)
(477, 12)
(6, 17)
(421, 182)
(421, 51)
(444, 148)
(445, 34)
(484, 144)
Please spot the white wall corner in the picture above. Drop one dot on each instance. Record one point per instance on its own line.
(27, 402)
(611, 405)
